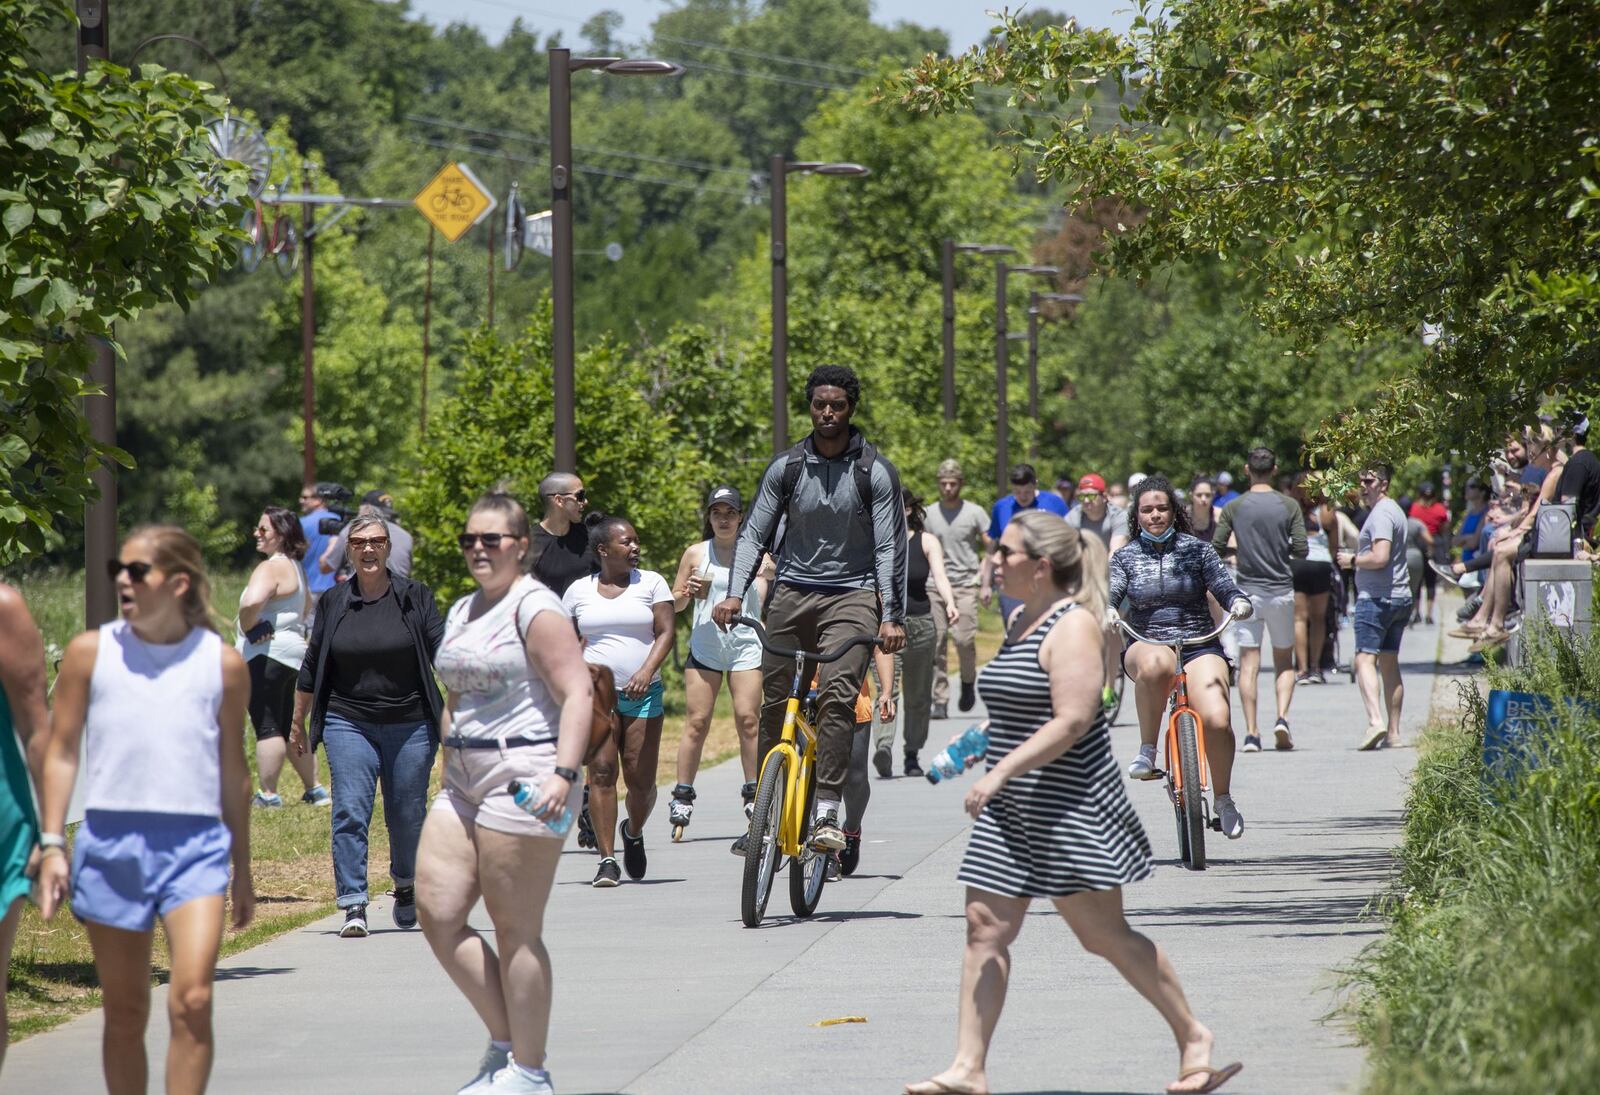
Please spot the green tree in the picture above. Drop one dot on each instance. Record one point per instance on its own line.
(1372, 166)
(112, 203)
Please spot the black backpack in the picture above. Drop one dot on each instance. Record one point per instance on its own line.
(793, 461)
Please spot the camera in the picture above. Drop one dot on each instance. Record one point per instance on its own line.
(336, 498)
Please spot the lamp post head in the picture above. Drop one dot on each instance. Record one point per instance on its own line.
(817, 167)
(1042, 271)
(1061, 298)
(625, 66)
(986, 248)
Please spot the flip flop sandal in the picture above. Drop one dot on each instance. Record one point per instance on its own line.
(939, 1087)
(1374, 736)
(1215, 1077)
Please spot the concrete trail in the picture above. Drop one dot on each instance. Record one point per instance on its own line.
(660, 990)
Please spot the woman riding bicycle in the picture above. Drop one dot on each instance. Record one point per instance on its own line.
(1166, 572)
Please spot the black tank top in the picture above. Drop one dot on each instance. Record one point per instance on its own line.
(917, 579)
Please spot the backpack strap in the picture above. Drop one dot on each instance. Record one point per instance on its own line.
(794, 462)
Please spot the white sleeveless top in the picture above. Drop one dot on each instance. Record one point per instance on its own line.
(285, 613)
(484, 664)
(151, 736)
(709, 643)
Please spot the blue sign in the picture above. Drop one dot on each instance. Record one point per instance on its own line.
(1515, 723)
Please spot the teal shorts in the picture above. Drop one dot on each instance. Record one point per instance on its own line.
(647, 706)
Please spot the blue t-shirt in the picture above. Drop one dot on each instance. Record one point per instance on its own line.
(316, 544)
(1220, 502)
(1001, 512)
(1469, 526)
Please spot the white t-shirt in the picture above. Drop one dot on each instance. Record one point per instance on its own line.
(484, 664)
(617, 631)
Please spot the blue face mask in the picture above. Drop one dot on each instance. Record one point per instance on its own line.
(1172, 530)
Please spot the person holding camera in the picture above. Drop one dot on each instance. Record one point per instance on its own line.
(273, 610)
(314, 498)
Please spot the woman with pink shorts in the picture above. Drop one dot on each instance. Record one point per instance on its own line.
(517, 708)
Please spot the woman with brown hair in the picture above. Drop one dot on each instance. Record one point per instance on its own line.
(167, 801)
(1313, 582)
(272, 637)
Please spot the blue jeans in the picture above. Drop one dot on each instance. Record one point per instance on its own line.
(359, 755)
(1380, 622)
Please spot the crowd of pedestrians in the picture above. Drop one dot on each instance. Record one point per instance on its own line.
(552, 689)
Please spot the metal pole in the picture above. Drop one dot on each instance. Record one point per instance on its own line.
(780, 305)
(308, 337)
(947, 271)
(563, 380)
(427, 327)
(1033, 354)
(1002, 427)
(491, 270)
(100, 515)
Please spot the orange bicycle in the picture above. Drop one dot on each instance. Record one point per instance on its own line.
(1188, 775)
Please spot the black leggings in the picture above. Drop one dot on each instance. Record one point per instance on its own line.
(271, 697)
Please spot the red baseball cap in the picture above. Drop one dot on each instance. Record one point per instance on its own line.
(1092, 482)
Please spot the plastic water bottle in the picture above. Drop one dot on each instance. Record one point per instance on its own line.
(951, 761)
(526, 794)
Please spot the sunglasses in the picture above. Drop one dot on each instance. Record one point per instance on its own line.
(491, 540)
(1088, 495)
(580, 495)
(136, 571)
(361, 543)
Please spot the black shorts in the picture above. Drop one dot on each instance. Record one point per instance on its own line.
(1190, 653)
(271, 697)
(1312, 577)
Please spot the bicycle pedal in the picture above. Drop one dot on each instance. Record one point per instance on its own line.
(1215, 824)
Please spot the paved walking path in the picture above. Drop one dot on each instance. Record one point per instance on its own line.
(660, 990)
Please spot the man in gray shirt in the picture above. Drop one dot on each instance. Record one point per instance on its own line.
(959, 524)
(1383, 606)
(1267, 529)
(841, 572)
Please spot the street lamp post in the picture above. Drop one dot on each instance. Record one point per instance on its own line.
(1002, 365)
(563, 381)
(947, 271)
(781, 169)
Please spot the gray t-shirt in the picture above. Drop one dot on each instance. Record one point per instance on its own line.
(1385, 522)
(1114, 521)
(1269, 529)
(959, 534)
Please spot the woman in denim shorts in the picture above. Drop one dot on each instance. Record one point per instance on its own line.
(518, 707)
(159, 701)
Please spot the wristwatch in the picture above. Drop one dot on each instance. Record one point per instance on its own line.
(567, 774)
(53, 840)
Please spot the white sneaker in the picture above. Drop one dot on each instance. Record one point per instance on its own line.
(493, 1061)
(1144, 765)
(1230, 817)
(512, 1080)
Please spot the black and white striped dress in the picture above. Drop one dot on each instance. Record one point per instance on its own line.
(1062, 828)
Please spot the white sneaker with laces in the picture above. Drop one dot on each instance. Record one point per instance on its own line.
(1230, 817)
(515, 1080)
(1144, 765)
(492, 1061)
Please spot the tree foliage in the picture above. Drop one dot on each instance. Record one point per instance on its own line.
(104, 187)
(1372, 166)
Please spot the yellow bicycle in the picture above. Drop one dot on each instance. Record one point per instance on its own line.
(785, 796)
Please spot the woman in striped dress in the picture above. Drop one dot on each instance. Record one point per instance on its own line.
(1053, 820)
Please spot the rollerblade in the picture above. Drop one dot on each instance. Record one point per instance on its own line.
(585, 826)
(680, 809)
(748, 793)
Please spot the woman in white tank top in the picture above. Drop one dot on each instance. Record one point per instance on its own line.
(272, 638)
(702, 581)
(159, 700)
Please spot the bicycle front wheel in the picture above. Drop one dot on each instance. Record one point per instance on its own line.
(1191, 798)
(761, 853)
(808, 872)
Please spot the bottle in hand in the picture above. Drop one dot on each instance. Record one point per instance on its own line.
(953, 759)
(526, 794)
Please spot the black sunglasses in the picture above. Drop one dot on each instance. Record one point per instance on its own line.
(491, 540)
(136, 571)
(580, 495)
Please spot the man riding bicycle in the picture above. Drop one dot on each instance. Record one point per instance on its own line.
(1165, 572)
(829, 512)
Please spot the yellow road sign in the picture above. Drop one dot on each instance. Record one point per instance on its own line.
(454, 201)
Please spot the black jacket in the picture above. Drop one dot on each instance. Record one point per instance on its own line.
(422, 619)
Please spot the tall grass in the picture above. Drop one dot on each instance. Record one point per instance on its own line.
(1489, 978)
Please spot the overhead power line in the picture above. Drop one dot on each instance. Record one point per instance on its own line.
(533, 138)
(587, 169)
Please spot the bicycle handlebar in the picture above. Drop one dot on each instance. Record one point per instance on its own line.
(810, 655)
(1117, 619)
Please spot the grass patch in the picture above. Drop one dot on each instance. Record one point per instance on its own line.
(1489, 977)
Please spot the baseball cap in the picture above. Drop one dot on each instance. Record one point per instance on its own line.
(1136, 478)
(1092, 482)
(725, 496)
(950, 469)
(378, 498)
(1424, 487)
(1224, 479)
